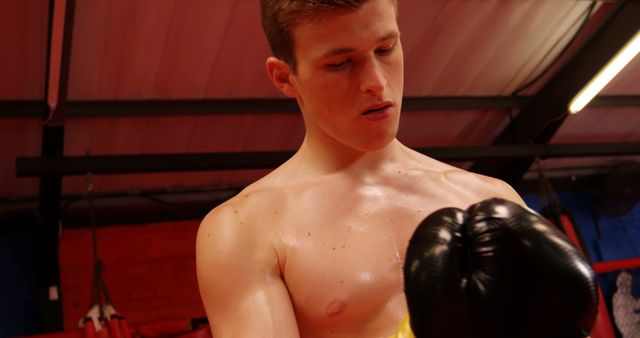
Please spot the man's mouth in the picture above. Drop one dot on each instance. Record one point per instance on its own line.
(377, 108)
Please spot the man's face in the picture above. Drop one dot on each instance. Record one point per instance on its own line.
(349, 78)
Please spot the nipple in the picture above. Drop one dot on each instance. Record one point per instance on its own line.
(336, 308)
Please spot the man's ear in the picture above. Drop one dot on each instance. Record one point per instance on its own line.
(282, 77)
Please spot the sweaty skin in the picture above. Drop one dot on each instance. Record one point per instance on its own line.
(315, 248)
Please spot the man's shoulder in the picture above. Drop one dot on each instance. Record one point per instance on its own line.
(255, 203)
(259, 200)
(248, 204)
(464, 176)
(242, 222)
(480, 186)
(460, 177)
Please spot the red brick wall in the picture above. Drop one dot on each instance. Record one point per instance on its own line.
(150, 271)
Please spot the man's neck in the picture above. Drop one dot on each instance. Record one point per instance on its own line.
(333, 157)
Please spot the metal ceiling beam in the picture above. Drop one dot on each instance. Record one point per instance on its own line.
(182, 107)
(23, 109)
(35, 108)
(462, 102)
(126, 164)
(148, 163)
(543, 114)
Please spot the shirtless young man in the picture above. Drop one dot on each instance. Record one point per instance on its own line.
(315, 248)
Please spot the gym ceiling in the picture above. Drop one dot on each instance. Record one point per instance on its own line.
(167, 103)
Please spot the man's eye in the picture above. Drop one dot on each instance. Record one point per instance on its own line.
(339, 65)
(384, 51)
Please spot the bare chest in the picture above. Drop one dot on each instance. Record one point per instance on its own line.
(343, 266)
(343, 247)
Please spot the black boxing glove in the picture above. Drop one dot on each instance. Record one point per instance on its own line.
(497, 270)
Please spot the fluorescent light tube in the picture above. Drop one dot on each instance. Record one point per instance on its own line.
(606, 74)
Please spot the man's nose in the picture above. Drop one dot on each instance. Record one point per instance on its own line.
(372, 78)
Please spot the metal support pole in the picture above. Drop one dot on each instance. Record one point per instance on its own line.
(47, 234)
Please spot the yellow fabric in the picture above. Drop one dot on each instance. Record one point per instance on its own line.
(404, 329)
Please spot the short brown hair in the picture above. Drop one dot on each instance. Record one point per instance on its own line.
(280, 16)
